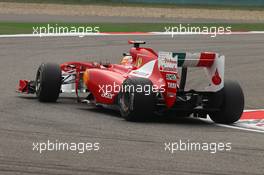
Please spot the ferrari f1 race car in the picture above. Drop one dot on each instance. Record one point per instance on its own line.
(144, 83)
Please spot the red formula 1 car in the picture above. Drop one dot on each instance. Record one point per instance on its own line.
(145, 82)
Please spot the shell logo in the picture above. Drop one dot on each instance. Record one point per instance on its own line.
(139, 62)
(86, 76)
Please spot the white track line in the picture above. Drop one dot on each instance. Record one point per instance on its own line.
(123, 34)
(240, 128)
(72, 35)
(234, 126)
(188, 33)
(250, 110)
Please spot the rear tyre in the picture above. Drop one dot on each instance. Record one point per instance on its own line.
(232, 105)
(136, 104)
(48, 82)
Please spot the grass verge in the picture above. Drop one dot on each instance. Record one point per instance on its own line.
(137, 4)
(27, 28)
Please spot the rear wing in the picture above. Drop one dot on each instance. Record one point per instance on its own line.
(212, 62)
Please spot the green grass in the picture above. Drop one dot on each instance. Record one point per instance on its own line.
(27, 28)
(137, 4)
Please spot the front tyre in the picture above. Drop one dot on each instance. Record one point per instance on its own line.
(136, 99)
(48, 82)
(232, 106)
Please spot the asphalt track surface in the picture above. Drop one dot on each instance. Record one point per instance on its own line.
(125, 147)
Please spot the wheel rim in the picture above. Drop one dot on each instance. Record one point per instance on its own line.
(125, 101)
(38, 86)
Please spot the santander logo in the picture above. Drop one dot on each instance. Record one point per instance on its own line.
(216, 79)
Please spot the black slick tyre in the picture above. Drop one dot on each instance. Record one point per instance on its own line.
(232, 105)
(134, 104)
(48, 82)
